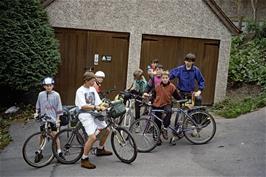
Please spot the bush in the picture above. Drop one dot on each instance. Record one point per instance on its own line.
(28, 49)
(230, 108)
(248, 56)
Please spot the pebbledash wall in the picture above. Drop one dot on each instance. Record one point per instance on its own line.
(181, 18)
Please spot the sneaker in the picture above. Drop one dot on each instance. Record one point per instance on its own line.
(85, 163)
(61, 156)
(165, 133)
(38, 157)
(173, 141)
(103, 152)
(159, 143)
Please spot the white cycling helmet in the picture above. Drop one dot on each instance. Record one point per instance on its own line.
(48, 81)
(100, 74)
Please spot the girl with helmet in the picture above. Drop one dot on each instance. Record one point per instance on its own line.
(99, 75)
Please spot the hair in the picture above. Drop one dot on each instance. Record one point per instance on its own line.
(155, 61)
(166, 72)
(138, 73)
(190, 57)
(88, 75)
(159, 66)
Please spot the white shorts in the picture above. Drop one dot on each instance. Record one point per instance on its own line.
(90, 123)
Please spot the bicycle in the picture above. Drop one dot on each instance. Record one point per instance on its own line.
(193, 130)
(129, 100)
(72, 141)
(37, 144)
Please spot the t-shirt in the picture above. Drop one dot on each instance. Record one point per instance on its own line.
(87, 96)
(49, 104)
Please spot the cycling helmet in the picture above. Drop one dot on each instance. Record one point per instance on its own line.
(100, 74)
(48, 80)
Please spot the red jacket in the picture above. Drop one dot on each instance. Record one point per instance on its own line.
(163, 94)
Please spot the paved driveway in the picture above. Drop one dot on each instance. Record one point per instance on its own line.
(238, 149)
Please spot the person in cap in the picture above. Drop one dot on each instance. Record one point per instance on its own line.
(49, 104)
(87, 99)
(187, 74)
(99, 75)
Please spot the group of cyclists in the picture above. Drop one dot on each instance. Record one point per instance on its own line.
(158, 89)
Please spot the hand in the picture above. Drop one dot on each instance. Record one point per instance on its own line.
(145, 95)
(57, 123)
(197, 93)
(35, 115)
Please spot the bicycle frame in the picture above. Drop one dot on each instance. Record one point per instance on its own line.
(152, 115)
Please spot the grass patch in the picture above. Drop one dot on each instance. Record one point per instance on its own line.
(232, 108)
(24, 113)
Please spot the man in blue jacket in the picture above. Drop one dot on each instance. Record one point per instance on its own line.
(186, 75)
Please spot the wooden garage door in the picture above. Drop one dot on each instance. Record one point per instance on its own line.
(171, 51)
(78, 49)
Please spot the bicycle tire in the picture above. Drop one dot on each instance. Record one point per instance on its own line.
(31, 147)
(203, 120)
(121, 135)
(70, 139)
(148, 136)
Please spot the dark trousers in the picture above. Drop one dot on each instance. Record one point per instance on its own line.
(137, 109)
(166, 119)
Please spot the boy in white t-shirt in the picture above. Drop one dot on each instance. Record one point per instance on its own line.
(87, 99)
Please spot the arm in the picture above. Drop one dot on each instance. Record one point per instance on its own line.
(149, 86)
(177, 95)
(174, 73)
(200, 80)
(38, 106)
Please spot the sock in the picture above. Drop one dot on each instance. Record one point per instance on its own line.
(100, 147)
(84, 156)
(59, 151)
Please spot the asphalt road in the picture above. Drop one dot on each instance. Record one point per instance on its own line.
(238, 149)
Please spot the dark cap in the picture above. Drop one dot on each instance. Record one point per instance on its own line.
(88, 76)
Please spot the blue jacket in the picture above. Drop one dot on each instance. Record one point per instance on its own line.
(187, 78)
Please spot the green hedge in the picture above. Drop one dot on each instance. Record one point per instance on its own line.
(248, 61)
(28, 49)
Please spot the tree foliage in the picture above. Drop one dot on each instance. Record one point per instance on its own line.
(28, 49)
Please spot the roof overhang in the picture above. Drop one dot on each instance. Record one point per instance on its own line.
(222, 16)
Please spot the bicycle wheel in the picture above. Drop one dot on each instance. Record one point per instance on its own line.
(71, 143)
(146, 134)
(201, 132)
(37, 150)
(123, 145)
